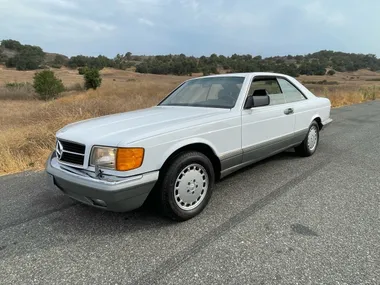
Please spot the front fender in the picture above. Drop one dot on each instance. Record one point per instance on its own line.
(183, 143)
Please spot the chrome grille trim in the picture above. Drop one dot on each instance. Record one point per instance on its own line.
(70, 153)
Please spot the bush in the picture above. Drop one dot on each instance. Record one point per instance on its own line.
(92, 78)
(331, 72)
(82, 70)
(47, 85)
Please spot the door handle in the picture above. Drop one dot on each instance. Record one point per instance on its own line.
(289, 111)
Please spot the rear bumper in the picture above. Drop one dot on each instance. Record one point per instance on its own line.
(118, 195)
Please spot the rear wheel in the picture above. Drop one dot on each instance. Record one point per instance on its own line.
(186, 186)
(310, 143)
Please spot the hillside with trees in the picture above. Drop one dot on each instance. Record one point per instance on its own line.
(26, 57)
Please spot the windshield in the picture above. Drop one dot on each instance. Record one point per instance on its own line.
(214, 92)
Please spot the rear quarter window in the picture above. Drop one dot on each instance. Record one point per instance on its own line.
(291, 93)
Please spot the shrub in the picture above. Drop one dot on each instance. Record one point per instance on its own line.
(47, 85)
(92, 78)
(82, 70)
(331, 72)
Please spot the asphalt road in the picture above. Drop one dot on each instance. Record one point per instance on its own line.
(286, 220)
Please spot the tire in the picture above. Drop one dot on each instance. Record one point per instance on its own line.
(310, 143)
(186, 186)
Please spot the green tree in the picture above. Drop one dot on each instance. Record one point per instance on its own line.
(206, 71)
(59, 60)
(128, 55)
(11, 44)
(77, 61)
(92, 78)
(10, 62)
(29, 58)
(82, 70)
(47, 85)
(3, 57)
(142, 68)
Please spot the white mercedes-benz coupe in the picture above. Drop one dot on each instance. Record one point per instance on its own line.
(205, 129)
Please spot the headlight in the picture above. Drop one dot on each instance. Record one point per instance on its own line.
(121, 159)
(104, 157)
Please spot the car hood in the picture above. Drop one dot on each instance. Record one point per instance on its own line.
(135, 125)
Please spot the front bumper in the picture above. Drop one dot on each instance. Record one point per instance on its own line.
(120, 195)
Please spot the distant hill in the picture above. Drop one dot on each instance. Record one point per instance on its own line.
(26, 57)
(51, 57)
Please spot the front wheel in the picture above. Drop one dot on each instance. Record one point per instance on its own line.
(310, 143)
(187, 186)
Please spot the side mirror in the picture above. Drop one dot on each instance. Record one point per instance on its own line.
(248, 103)
(258, 99)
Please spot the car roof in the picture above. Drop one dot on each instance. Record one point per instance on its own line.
(244, 74)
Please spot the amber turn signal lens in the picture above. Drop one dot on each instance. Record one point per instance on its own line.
(129, 158)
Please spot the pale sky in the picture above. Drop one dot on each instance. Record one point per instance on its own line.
(193, 27)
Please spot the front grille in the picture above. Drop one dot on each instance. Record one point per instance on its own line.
(72, 158)
(73, 147)
(70, 152)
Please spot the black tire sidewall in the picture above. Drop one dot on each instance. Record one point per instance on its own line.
(314, 124)
(303, 148)
(168, 202)
(306, 148)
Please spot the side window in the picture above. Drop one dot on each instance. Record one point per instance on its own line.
(291, 93)
(272, 87)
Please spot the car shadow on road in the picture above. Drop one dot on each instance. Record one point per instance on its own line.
(72, 222)
(67, 214)
(147, 217)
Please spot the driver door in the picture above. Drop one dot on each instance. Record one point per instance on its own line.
(268, 129)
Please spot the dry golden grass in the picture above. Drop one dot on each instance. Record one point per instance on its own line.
(28, 127)
(343, 97)
(351, 88)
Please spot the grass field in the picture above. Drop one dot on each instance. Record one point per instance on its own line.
(28, 126)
